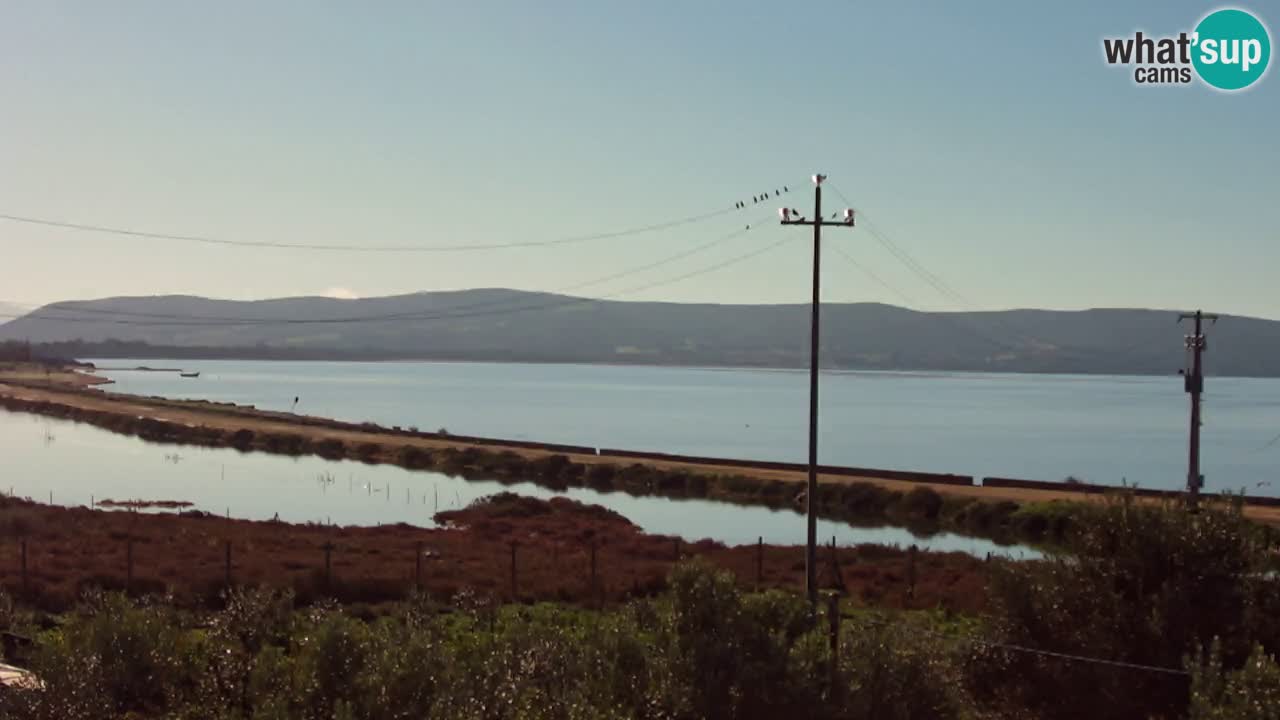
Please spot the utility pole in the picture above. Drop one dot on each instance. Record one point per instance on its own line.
(793, 217)
(1193, 381)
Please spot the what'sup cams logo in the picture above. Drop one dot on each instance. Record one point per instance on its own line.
(1229, 50)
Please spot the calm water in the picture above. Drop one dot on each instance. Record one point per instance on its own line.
(80, 463)
(1099, 428)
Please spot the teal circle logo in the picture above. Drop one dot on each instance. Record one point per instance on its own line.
(1231, 49)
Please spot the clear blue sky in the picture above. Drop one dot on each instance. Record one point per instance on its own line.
(989, 139)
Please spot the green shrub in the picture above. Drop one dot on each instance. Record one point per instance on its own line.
(1145, 584)
(1250, 693)
(600, 476)
(413, 457)
(241, 439)
(922, 503)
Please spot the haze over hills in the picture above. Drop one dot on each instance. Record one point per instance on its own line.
(510, 325)
(9, 311)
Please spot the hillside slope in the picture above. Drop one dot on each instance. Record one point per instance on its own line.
(495, 324)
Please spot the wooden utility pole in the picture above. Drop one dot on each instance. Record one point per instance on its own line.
(793, 217)
(1193, 381)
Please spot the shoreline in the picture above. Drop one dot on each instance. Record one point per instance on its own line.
(925, 500)
(711, 367)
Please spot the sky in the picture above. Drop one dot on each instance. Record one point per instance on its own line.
(989, 140)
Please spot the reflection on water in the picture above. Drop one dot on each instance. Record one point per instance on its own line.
(87, 464)
(1103, 429)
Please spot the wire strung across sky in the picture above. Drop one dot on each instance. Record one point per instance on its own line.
(938, 283)
(872, 275)
(489, 307)
(667, 225)
(209, 240)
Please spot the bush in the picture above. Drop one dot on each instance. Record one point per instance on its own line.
(860, 499)
(1252, 692)
(368, 452)
(1144, 584)
(413, 457)
(600, 476)
(331, 448)
(242, 439)
(922, 502)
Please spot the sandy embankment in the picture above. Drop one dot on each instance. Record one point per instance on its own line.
(73, 389)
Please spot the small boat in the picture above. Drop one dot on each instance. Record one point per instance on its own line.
(190, 374)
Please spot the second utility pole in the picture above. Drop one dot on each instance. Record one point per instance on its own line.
(1194, 383)
(793, 217)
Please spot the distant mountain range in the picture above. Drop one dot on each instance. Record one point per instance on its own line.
(510, 325)
(8, 311)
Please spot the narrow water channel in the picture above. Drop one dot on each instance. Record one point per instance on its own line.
(76, 464)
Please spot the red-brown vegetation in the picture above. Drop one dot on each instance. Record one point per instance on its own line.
(70, 549)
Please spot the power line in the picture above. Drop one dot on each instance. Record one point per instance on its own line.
(933, 279)
(1270, 444)
(874, 277)
(1070, 657)
(418, 316)
(386, 316)
(208, 240)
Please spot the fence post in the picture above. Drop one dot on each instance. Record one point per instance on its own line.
(911, 575)
(837, 577)
(833, 618)
(328, 566)
(759, 562)
(128, 555)
(417, 567)
(227, 579)
(594, 593)
(24, 566)
(515, 595)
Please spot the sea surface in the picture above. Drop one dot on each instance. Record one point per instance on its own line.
(1102, 429)
(72, 464)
